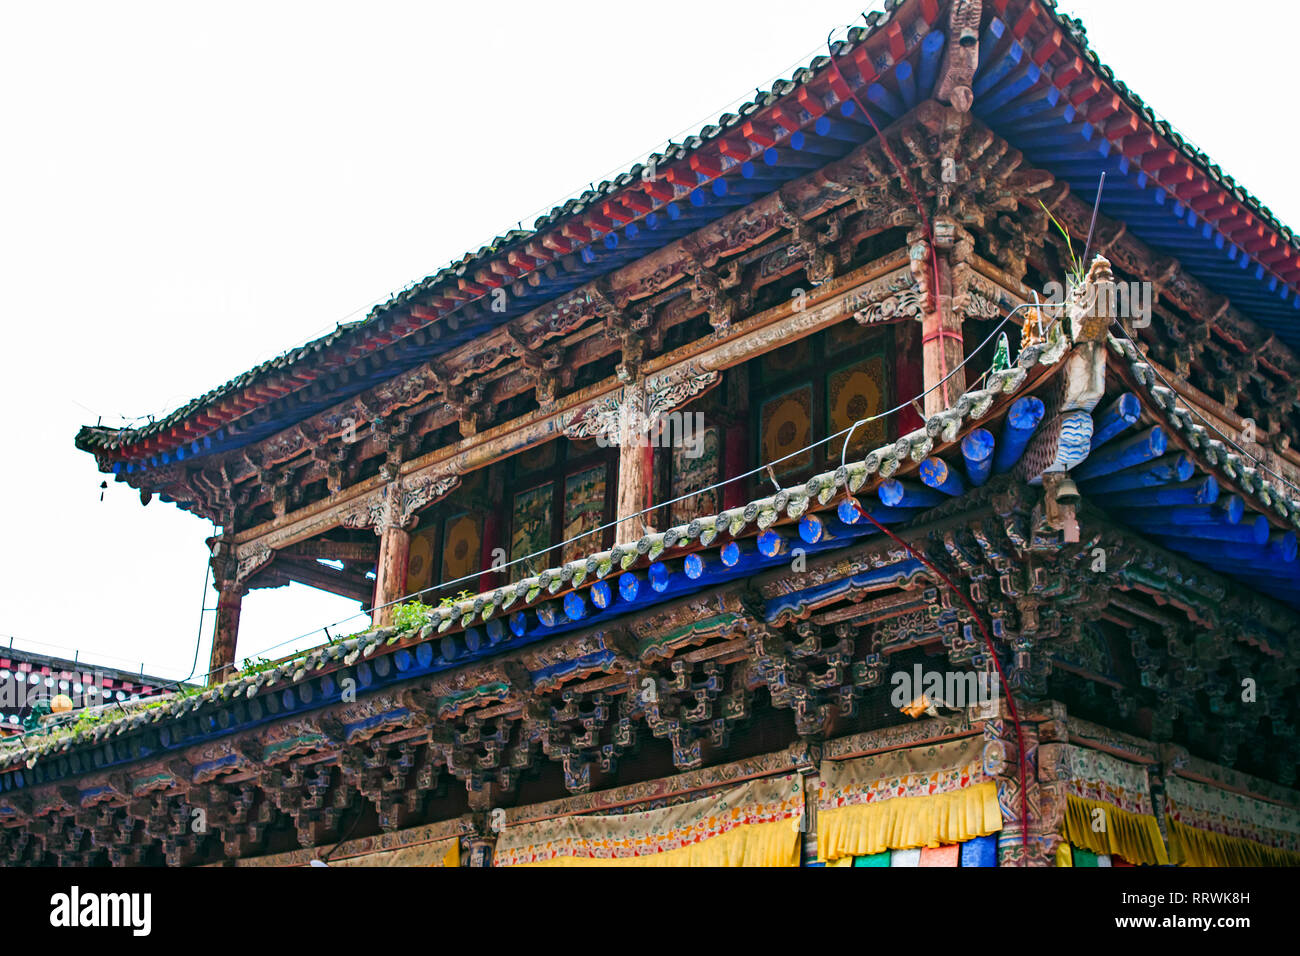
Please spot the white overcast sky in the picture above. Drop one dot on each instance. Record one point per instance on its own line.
(191, 189)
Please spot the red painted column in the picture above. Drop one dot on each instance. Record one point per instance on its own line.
(735, 461)
(941, 346)
(491, 542)
(908, 379)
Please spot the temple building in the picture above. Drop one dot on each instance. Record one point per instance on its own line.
(862, 482)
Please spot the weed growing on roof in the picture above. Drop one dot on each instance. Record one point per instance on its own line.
(411, 615)
(253, 666)
(1076, 271)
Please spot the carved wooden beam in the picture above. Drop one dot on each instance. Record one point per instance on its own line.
(333, 550)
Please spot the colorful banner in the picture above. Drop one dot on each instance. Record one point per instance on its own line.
(434, 844)
(906, 799)
(757, 824)
(1108, 808)
(443, 853)
(1213, 827)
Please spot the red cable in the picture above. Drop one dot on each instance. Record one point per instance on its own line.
(943, 364)
(988, 640)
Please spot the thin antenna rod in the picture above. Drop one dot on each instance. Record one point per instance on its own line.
(1101, 184)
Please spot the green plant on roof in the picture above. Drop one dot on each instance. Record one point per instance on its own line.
(347, 637)
(253, 666)
(410, 615)
(1075, 273)
(453, 599)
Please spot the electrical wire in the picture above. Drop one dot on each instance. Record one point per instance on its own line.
(766, 466)
(203, 607)
(664, 504)
(988, 641)
(975, 615)
(324, 860)
(77, 651)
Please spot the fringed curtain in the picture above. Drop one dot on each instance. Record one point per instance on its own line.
(442, 853)
(905, 799)
(756, 824)
(1213, 827)
(1108, 809)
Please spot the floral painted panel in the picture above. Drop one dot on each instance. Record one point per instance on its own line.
(647, 834)
(584, 510)
(1204, 807)
(530, 529)
(462, 548)
(914, 772)
(853, 393)
(784, 427)
(1099, 776)
(420, 564)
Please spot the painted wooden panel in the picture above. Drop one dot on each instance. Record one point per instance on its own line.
(692, 471)
(785, 425)
(420, 564)
(530, 529)
(584, 510)
(853, 393)
(462, 548)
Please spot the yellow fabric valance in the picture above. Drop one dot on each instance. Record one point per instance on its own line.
(1213, 827)
(756, 824)
(442, 853)
(1106, 829)
(1108, 808)
(904, 799)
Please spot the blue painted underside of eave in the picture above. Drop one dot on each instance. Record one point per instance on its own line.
(422, 663)
(1116, 442)
(1017, 100)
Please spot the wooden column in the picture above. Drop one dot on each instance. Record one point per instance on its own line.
(390, 575)
(225, 636)
(635, 466)
(941, 342)
(230, 596)
(635, 486)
